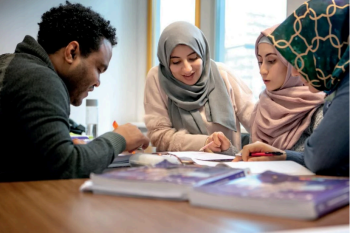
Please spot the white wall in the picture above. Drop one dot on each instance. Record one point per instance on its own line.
(120, 94)
(292, 5)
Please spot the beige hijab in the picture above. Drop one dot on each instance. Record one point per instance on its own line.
(281, 116)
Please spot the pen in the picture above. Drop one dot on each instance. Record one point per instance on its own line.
(206, 146)
(257, 154)
(115, 125)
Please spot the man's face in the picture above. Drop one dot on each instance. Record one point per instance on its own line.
(84, 73)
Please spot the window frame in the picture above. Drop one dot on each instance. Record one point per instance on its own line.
(153, 29)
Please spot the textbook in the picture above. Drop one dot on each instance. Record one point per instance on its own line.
(165, 180)
(276, 194)
(120, 161)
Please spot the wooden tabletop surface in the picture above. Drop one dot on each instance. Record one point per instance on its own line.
(58, 206)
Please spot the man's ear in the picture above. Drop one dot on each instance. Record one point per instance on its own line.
(71, 52)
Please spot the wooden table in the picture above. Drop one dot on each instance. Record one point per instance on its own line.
(58, 206)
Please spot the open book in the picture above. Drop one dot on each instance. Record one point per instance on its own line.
(212, 159)
(275, 194)
(143, 159)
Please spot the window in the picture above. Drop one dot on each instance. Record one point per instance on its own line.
(171, 11)
(163, 13)
(238, 24)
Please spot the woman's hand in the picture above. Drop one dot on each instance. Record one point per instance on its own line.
(259, 147)
(219, 142)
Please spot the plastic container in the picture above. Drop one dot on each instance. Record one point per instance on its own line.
(92, 117)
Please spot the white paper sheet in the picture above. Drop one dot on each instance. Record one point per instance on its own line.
(201, 155)
(286, 167)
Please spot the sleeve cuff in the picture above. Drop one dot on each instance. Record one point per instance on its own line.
(232, 150)
(295, 156)
(118, 141)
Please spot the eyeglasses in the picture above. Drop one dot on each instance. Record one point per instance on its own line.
(183, 161)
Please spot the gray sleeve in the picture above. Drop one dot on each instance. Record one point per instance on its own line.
(43, 113)
(232, 150)
(117, 141)
(295, 156)
(327, 149)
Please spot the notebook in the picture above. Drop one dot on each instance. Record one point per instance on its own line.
(275, 194)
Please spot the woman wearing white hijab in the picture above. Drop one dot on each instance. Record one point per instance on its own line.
(189, 96)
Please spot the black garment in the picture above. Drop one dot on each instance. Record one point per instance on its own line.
(34, 128)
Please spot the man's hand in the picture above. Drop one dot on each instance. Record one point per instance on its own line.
(77, 141)
(133, 137)
(259, 147)
(220, 142)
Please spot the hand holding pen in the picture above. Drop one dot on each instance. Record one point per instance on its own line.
(133, 136)
(259, 151)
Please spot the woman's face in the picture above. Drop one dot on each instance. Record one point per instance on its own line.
(272, 70)
(305, 82)
(185, 65)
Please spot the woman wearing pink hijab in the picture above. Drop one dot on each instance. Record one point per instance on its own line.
(287, 112)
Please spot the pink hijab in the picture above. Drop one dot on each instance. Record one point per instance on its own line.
(281, 116)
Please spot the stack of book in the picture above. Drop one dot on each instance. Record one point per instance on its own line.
(275, 194)
(223, 187)
(166, 180)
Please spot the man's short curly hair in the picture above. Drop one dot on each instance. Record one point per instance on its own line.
(74, 22)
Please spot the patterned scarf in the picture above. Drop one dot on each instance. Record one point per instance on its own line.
(315, 40)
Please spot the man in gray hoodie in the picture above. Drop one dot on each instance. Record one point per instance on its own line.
(39, 81)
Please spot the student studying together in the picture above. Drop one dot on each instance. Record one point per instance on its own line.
(287, 112)
(324, 66)
(206, 83)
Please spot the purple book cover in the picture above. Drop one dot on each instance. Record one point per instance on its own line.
(193, 175)
(326, 193)
(79, 137)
